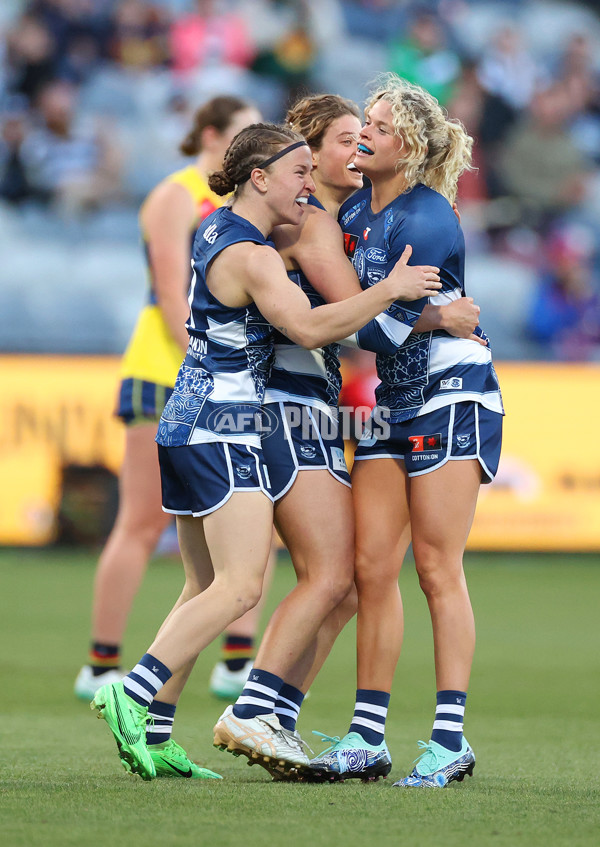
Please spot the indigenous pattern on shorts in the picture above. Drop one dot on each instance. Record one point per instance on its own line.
(305, 377)
(221, 383)
(433, 369)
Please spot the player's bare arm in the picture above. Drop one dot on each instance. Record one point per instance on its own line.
(286, 307)
(167, 218)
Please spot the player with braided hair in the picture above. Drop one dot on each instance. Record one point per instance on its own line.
(212, 469)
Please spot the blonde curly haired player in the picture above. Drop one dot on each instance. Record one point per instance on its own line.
(418, 482)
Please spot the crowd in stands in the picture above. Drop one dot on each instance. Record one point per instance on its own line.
(96, 94)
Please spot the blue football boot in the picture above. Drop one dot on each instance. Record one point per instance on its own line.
(351, 757)
(437, 766)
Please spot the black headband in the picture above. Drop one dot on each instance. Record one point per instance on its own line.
(274, 158)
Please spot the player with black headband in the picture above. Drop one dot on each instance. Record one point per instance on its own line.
(212, 468)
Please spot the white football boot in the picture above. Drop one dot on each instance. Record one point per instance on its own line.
(87, 684)
(262, 740)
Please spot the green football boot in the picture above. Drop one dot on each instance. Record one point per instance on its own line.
(127, 722)
(170, 759)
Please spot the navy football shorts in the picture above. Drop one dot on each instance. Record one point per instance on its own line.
(300, 438)
(425, 443)
(140, 401)
(197, 479)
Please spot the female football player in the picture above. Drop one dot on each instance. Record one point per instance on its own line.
(441, 401)
(212, 469)
(302, 446)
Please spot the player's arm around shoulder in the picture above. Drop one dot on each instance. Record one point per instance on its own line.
(288, 309)
(282, 303)
(286, 236)
(319, 252)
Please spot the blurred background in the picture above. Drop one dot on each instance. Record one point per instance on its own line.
(95, 96)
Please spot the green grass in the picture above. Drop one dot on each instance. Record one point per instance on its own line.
(532, 719)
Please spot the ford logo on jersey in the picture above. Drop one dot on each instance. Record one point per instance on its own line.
(374, 254)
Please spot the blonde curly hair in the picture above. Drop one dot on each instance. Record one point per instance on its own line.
(436, 149)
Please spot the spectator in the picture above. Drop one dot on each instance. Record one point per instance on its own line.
(540, 164)
(564, 315)
(508, 70)
(210, 35)
(31, 57)
(140, 35)
(467, 104)
(290, 54)
(15, 184)
(80, 30)
(488, 118)
(78, 168)
(290, 38)
(576, 69)
(423, 57)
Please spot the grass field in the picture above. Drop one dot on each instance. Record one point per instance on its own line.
(532, 719)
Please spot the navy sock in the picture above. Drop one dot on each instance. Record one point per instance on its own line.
(259, 694)
(370, 713)
(449, 716)
(160, 722)
(287, 706)
(146, 679)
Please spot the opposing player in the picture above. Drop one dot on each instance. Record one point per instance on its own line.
(419, 479)
(212, 468)
(313, 511)
(168, 217)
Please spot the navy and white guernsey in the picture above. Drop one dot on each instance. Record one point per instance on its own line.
(433, 369)
(221, 383)
(307, 377)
